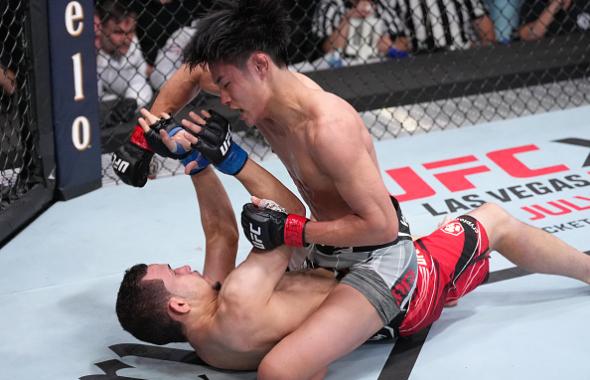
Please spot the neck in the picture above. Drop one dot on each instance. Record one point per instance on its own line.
(201, 316)
(286, 98)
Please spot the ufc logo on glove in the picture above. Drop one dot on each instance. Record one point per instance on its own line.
(119, 164)
(255, 237)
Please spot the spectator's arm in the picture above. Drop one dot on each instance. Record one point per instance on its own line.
(339, 37)
(400, 43)
(537, 29)
(181, 88)
(7, 80)
(484, 28)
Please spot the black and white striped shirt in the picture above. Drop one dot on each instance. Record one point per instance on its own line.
(329, 14)
(439, 24)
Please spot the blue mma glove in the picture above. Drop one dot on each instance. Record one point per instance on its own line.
(190, 156)
(216, 144)
(155, 140)
(201, 161)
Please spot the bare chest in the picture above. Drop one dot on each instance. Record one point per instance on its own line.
(314, 185)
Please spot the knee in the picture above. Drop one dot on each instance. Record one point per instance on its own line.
(497, 222)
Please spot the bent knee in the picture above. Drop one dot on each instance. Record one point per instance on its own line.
(496, 221)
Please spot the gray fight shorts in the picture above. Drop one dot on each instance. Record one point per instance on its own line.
(385, 275)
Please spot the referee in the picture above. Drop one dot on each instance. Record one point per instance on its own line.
(433, 25)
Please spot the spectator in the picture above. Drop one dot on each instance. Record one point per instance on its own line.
(505, 15)
(303, 46)
(543, 18)
(432, 25)
(169, 58)
(359, 28)
(157, 20)
(122, 70)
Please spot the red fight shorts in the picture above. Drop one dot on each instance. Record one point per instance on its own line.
(452, 261)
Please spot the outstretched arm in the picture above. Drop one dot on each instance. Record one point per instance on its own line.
(257, 180)
(181, 88)
(219, 224)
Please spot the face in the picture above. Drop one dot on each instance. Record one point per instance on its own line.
(116, 36)
(181, 281)
(241, 89)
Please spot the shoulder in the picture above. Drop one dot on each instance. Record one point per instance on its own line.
(332, 114)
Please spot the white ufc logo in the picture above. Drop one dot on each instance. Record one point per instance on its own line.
(255, 237)
(226, 144)
(119, 165)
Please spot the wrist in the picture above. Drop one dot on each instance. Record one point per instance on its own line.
(294, 233)
(234, 161)
(197, 157)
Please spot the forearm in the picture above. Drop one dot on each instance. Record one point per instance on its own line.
(338, 39)
(219, 225)
(351, 231)
(484, 28)
(537, 29)
(180, 89)
(259, 182)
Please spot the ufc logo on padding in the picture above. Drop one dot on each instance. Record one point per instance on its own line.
(255, 237)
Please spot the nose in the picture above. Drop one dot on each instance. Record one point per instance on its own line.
(183, 270)
(224, 97)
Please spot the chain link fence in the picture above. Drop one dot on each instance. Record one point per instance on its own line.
(20, 164)
(408, 66)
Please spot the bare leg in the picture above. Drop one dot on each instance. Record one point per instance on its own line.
(344, 321)
(531, 248)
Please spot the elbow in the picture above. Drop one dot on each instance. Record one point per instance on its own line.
(385, 231)
(298, 208)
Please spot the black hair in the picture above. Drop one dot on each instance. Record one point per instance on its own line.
(234, 29)
(142, 308)
(115, 10)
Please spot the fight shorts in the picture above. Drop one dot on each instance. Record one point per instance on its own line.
(452, 261)
(385, 274)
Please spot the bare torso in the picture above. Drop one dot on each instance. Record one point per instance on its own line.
(239, 340)
(292, 145)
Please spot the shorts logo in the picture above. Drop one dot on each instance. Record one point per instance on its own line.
(453, 228)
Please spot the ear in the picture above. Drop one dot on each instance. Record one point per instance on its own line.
(178, 305)
(260, 64)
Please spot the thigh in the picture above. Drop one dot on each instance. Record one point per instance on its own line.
(455, 246)
(343, 322)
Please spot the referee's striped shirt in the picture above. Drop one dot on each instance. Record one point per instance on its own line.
(329, 13)
(439, 24)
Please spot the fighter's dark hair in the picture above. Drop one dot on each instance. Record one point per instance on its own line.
(234, 29)
(142, 308)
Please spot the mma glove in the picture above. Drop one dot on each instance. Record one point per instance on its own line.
(270, 226)
(179, 153)
(216, 144)
(131, 162)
